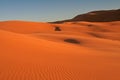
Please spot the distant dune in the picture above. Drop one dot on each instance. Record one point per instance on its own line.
(68, 51)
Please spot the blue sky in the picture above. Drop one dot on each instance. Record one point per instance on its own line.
(51, 10)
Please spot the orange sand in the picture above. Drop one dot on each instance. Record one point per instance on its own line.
(34, 51)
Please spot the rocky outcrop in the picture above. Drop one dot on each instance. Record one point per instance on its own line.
(96, 16)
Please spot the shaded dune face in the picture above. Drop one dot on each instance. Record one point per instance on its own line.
(67, 51)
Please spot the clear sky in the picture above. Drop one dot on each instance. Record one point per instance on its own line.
(51, 10)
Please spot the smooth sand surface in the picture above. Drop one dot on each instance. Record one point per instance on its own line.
(80, 51)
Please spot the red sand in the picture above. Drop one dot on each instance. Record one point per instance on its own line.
(34, 51)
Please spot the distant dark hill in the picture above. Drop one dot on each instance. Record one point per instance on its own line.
(96, 16)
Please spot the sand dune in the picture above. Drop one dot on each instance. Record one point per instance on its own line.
(25, 27)
(80, 51)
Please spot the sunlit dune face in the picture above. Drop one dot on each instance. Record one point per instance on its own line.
(67, 51)
(25, 27)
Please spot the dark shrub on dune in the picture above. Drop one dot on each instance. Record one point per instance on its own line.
(72, 41)
(57, 29)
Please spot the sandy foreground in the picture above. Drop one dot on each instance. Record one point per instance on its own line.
(80, 51)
